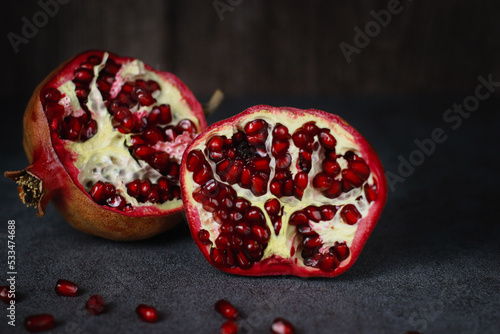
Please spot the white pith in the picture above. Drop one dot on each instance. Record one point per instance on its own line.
(330, 232)
(105, 156)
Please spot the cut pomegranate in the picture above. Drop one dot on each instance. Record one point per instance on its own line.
(39, 322)
(66, 288)
(95, 305)
(4, 294)
(147, 313)
(105, 137)
(250, 214)
(229, 327)
(227, 310)
(282, 326)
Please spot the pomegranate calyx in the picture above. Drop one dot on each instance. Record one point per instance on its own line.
(30, 189)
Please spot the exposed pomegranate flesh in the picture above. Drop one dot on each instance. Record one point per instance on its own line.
(282, 326)
(105, 137)
(66, 288)
(95, 305)
(250, 213)
(227, 309)
(147, 313)
(229, 327)
(39, 322)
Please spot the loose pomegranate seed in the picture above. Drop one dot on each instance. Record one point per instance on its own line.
(4, 294)
(39, 322)
(66, 288)
(282, 326)
(95, 305)
(147, 313)
(229, 327)
(227, 310)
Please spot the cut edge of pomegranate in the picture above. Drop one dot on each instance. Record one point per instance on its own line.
(276, 265)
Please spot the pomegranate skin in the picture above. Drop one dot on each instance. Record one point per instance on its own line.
(277, 265)
(54, 183)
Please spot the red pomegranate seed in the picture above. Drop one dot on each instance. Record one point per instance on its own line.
(99, 193)
(241, 205)
(259, 186)
(301, 179)
(334, 191)
(261, 233)
(112, 67)
(116, 201)
(255, 126)
(328, 262)
(66, 288)
(313, 213)
(242, 229)
(322, 181)
(342, 251)
(327, 212)
(272, 206)
(94, 59)
(51, 95)
(350, 214)
(202, 175)
(282, 326)
(39, 322)
(301, 139)
(360, 169)
(215, 144)
(331, 167)
(312, 242)
(371, 192)
(204, 237)
(153, 85)
(281, 132)
(153, 135)
(147, 313)
(95, 305)
(310, 128)
(227, 310)
(194, 160)
(279, 147)
(186, 126)
(298, 218)
(83, 75)
(229, 327)
(4, 294)
(327, 140)
(283, 162)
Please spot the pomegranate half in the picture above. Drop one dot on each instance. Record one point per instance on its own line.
(105, 137)
(282, 191)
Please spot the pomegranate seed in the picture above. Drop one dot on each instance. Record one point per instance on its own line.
(305, 229)
(216, 257)
(147, 313)
(331, 167)
(272, 206)
(360, 169)
(66, 288)
(243, 261)
(227, 310)
(242, 229)
(39, 322)
(312, 242)
(94, 59)
(334, 191)
(322, 181)
(204, 237)
(215, 144)
(194, 160)
(202, 175)
(350, 179)
(301, 139)
(253, 248)
(153, 135)
(280, 132)
(51, 94)
(301, 179)
(327, 212)
(327, 140)
(144, 152)
(255, 126)
(310, 128)
(229, 327)
(98, 193)
(89, 130)
(102, 85)
(342, 251)
(328, 262)
(313, 213)
(223, 241)
(53, 110)
(241, 205)
(112, 67)
(153, 85)
(236, 242)
(95, 305)
(73, 128)
(83, 75)
(371, 192)
(116, 201)
(279, 147)
(133, 188)
(259, 186)
(350, 214)
(261, 233)
(282, 326)
(186, 126)
(143, 96)
(124, 118)
(298, 218)
(4, 294)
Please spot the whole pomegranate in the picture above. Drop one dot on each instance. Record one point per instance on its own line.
(105, 137)
(282, 191)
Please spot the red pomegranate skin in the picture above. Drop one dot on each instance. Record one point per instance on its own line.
(277, 265)
(48, 163)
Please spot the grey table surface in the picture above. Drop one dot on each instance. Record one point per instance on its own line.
(431, 265)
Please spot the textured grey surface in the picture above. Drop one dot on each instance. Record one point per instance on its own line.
(432, 264)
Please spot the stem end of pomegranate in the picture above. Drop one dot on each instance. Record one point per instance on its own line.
(30, 189)
(211, 106)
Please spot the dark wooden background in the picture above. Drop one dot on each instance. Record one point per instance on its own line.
(265, 48)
